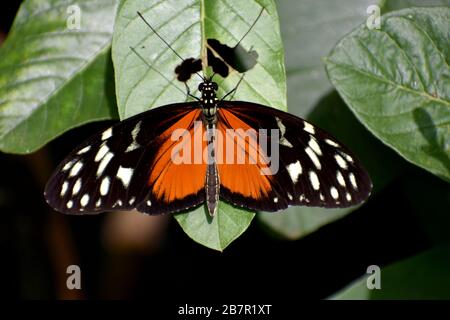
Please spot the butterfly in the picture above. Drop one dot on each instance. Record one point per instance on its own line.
(180, 156)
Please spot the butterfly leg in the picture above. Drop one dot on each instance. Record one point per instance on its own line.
(233, 91)
(188, 93)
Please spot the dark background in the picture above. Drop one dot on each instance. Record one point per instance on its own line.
(37, 244)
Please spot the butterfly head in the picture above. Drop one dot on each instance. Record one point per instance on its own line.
(208, 86)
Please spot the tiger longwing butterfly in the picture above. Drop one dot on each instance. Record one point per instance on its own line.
(140, 163)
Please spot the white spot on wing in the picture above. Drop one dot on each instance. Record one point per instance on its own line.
(314, 146)
(76, 187)
(348, 196)
(84, 150)
(125, 175)
(321, 197)
(64, 187)
(98, 203)
(104, 163)
(84, 200)
(69, 204)
(136, 130)
(101, 152)
(76, 169)
(294, 170)
(314, 180)
(133, 146)
(332, 143)
(334, 193)
(282, 128)
(308, 127)
(347, 157)
(104, 186)
(313, 157)
(275, 200)
(352, 178)
(340, 178)
(149, 203)
(131, 201)
(107, 134)
(341, 162)
(289, 196)
(285, 142)
(68, 165)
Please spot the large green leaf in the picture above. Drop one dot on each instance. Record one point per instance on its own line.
(391, 5)
(218, 232)
(186, 25)
(397, 82)
(424, 276)
(53, 77)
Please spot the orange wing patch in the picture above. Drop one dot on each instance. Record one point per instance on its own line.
(242, 177)
(172, 180)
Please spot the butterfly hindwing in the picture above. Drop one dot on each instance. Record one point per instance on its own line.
(313, 168)
(115, 170)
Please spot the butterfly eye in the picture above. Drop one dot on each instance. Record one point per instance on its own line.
(200, 87)
(215, 86)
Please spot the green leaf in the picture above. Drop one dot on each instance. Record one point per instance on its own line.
(424, 276)
(186, 25)
(297, 222)
(52, 77)
(310, 29)
(215, 232)
(391, 5)
(397, 82)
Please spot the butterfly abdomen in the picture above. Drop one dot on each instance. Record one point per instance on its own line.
(212, 186)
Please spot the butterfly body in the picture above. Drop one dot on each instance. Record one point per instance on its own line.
(208, 103)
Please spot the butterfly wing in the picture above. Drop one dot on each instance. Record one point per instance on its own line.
(128, 166)
(307, 165)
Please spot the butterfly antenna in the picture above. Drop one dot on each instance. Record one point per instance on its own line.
(165, 42)
(251, 27)
(168, 80)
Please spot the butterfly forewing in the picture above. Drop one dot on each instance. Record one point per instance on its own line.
(313, 168)
(113, 170)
